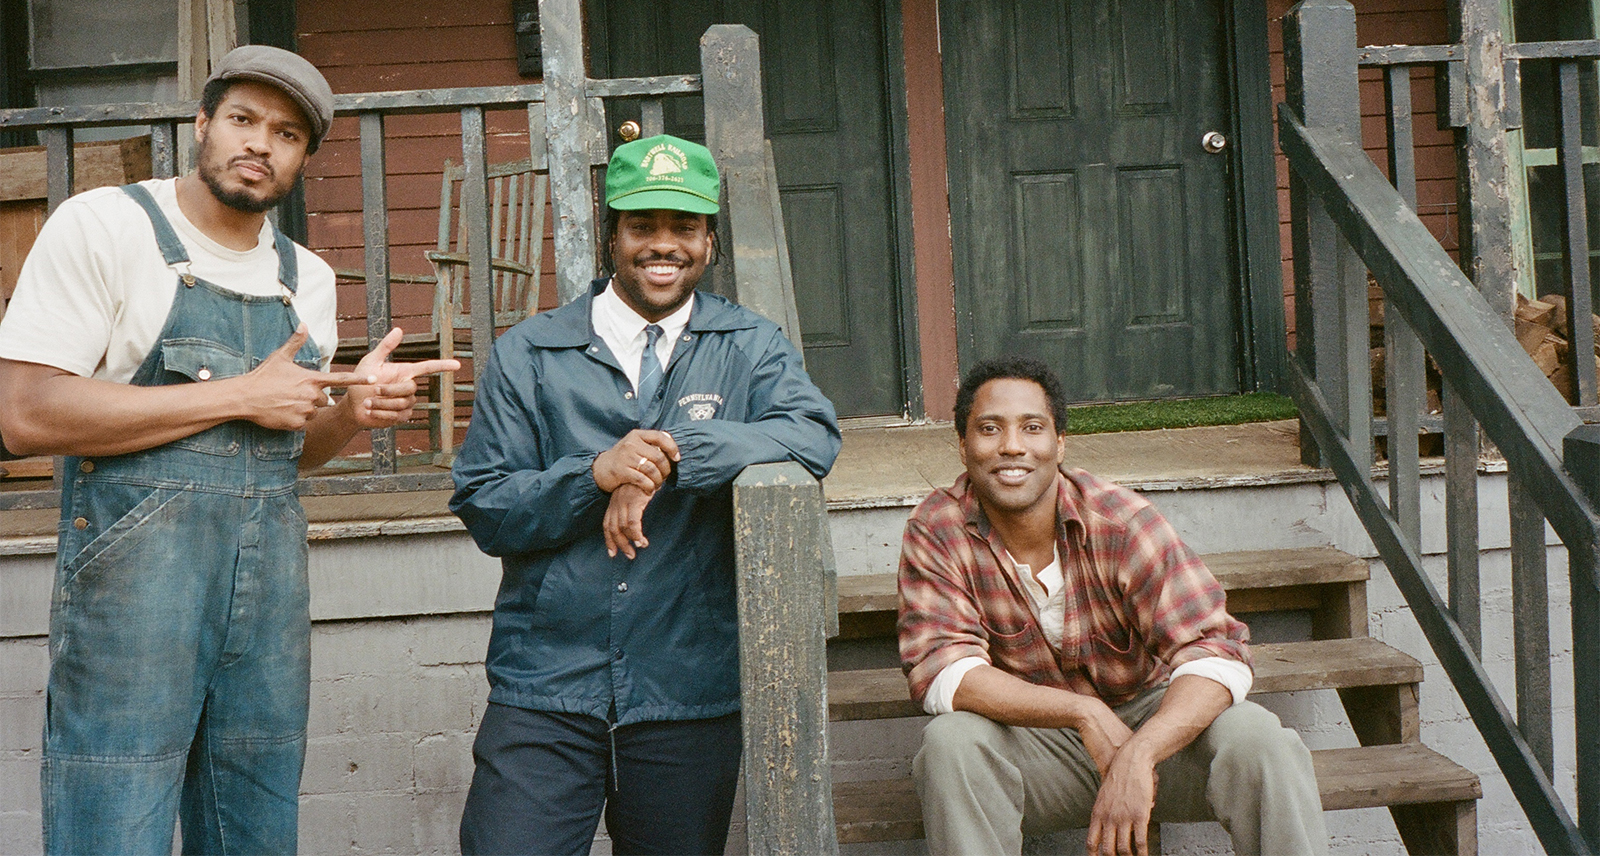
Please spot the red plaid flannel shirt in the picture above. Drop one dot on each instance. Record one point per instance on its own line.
(1139, 602)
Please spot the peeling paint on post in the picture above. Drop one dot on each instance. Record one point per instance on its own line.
(569, 126)
(783, 552)
(730, 60)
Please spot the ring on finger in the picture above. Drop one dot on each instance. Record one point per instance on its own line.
(642, 462)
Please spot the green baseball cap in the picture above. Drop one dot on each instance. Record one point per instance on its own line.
(663, 172)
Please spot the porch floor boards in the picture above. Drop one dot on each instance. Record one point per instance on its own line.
(877, 467)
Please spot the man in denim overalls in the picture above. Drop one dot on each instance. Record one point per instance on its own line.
(171, 342)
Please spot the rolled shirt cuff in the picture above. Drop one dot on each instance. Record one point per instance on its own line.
(1232, 674)
(942, 692)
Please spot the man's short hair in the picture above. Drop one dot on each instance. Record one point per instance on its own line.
(1011, 368)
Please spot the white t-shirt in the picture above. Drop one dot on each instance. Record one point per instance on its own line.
(94, 293)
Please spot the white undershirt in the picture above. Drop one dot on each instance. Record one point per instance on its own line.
(94, 294)
(622, 329)
(1047, 593)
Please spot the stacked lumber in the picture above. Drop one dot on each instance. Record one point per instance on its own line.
(1541, 329)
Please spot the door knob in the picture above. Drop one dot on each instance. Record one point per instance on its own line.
(1214, 141)
(628, 131)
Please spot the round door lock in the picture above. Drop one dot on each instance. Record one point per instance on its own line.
(628, 131)
(1214, 141)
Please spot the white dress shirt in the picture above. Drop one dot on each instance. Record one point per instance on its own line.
(622, 329)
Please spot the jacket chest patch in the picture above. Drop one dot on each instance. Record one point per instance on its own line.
(700, 406)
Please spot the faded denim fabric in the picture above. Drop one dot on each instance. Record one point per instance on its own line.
(180, 621)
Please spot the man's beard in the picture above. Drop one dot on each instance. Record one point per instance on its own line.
(239, 200)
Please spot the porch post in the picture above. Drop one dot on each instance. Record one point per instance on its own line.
(730, 61)
(784, 555)
(1319, 42)
(570, 128)
(1482, 174)
(1581, 453)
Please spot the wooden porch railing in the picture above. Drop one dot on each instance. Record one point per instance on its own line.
(784, 555)
(1347, 219)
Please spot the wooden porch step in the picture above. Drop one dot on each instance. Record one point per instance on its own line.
(1279, 668)
(1367, 777)
(1328, 582)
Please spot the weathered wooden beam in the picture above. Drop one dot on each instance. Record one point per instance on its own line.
(375, 240)
(1575, 49)
(351, 485)
(780, 534)
(1379, 56)
(1546, 814)
(730, 58)
(1330, 283)
(475, 220)
(1524, 415)
(163, 149)
(1482, 174)
(569, 128)
(624, 87)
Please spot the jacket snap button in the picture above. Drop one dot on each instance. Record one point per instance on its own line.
(86, 467)
(628, 395)
(203, 374)
(622, 586)
(80, 523)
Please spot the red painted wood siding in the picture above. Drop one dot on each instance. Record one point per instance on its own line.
(368, 46)
(1383, 22)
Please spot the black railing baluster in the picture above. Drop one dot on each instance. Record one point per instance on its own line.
(1461, 515)
(651, 122)
(1530, 626)
(375, 239)
(1404, 381)
(1575, 235)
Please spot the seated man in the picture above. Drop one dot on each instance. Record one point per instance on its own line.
(1078, 658)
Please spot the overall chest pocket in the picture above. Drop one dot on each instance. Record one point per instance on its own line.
(201, 361)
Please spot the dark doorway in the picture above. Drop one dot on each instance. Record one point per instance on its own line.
(823, 71)
(1092, 228)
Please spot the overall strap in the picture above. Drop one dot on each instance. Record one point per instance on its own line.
(288, 265)
(171, 248)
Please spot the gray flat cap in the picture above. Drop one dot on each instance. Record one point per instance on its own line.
(287, 71)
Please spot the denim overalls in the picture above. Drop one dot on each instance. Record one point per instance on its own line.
(180, 623)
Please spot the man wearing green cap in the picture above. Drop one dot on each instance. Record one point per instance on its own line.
(605, 437)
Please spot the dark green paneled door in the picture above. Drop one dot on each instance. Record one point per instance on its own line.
(1091, 227)
(823, 73)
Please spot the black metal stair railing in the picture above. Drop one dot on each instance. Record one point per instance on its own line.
(1349, 219)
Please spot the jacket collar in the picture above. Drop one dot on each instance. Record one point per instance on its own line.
(570, 326)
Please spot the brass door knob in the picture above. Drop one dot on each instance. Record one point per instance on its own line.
(628, 131)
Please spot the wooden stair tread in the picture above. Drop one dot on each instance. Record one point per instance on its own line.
(1279, 668)
(1364, 777)
(1250, 569)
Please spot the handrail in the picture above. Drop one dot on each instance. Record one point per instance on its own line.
(1521, 412)
(1503, 388)
(1349, 217)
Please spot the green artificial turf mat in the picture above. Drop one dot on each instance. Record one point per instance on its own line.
(1184, 413)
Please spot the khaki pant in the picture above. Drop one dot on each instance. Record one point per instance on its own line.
(984, 785)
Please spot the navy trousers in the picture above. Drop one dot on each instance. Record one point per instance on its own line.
(542, 779)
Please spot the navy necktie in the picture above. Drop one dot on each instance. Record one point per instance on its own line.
(649, 369)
